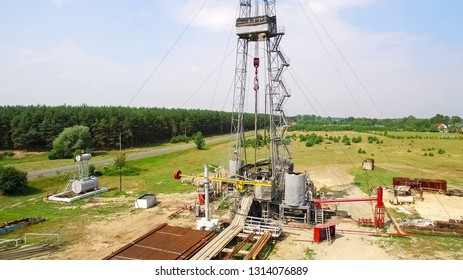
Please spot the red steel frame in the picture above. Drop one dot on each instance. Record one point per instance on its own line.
(379, 208)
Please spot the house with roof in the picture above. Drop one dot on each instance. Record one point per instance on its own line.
(441, 127)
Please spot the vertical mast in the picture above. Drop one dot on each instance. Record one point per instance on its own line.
(258, 25)
(237, 126)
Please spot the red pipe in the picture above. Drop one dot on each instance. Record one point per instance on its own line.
(344, 200)
(373, 232)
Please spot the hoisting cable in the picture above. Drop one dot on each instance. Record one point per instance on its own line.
(167, 53)
(256, 91)
(297, 81)
(205, 81)
(335, 66)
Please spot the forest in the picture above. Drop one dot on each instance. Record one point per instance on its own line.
(35, 128)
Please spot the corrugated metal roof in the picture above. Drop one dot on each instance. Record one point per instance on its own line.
(164, 243)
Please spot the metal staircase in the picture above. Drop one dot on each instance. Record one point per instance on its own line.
(328, 234)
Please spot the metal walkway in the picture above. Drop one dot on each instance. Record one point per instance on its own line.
(215, 246)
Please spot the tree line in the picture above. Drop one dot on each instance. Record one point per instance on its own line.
(35, 127)
(410, 123)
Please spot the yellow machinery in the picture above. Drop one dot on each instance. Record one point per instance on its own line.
(239, 184)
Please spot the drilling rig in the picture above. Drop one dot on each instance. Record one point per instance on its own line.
(278, 191)
(257, 29)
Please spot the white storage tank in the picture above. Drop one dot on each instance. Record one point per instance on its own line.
(82, 157)
(80, 186)
(295, 189)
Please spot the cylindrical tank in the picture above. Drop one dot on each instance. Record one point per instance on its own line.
(83, 157)
(234, 166)
(295, 189)
(84, 185)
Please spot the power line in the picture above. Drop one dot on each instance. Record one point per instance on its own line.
(167, 53)
(331, 59)
(347, 62)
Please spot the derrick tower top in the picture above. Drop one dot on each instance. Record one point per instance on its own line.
(258, 22)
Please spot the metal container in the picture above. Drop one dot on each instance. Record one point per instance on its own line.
(295, 189)
(80, 186)
(83, 157)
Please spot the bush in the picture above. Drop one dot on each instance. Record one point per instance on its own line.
(199, 140)
(12, 181)
(5, 154)
(179, 138)
(346, 140)
(357, 139)
(441, 151)
(261, 142)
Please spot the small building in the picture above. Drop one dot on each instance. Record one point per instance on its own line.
(145, 201)
(441, 127)
(368, 164)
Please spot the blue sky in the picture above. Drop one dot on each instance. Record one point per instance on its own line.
(406, 55)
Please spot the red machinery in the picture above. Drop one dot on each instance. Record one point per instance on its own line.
(379, 208)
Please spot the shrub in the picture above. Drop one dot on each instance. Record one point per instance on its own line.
(199, 140)
(12, 181)
(179, 138)
(357, 139)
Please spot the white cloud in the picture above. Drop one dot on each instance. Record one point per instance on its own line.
(66, 74)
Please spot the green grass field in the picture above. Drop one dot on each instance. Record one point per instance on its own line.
(401, 156)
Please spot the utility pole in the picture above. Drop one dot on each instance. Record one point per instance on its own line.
(120, 166)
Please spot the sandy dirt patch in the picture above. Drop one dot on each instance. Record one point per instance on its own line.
(103, 237)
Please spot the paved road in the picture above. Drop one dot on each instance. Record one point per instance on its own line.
(57, 170)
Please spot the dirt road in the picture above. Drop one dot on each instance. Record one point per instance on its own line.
(57, 170)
